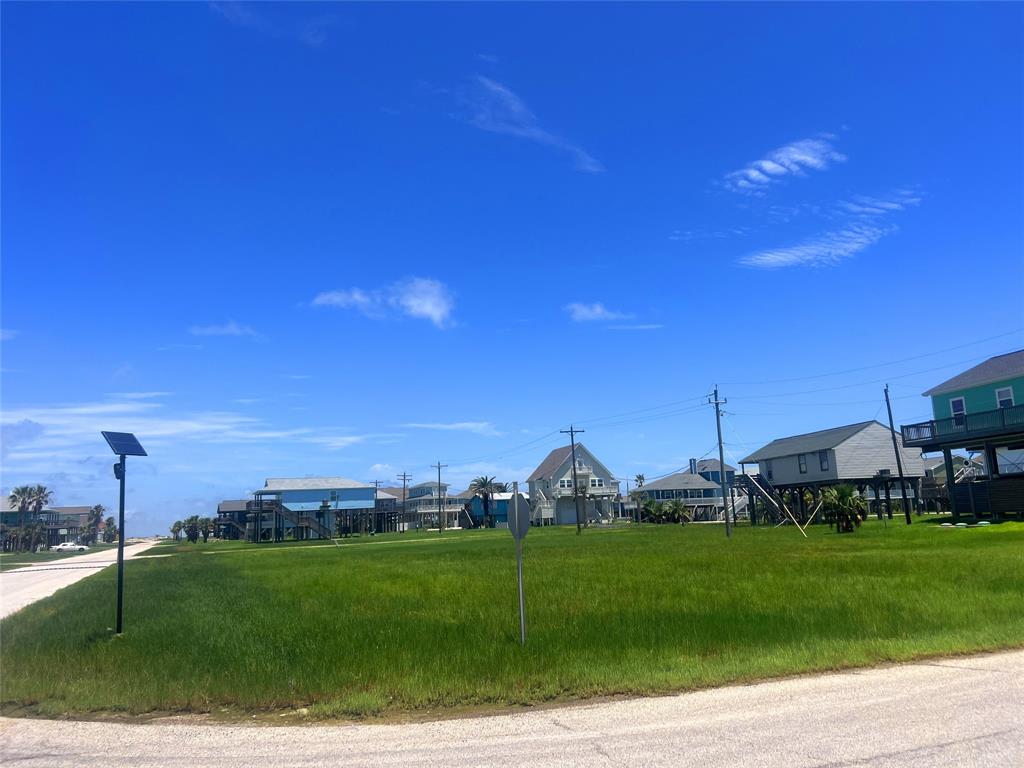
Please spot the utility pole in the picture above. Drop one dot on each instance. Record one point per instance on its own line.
(405, 477)
(713, 400)
(899, 461)
(572, 432)
(438, 467)
(376, 486)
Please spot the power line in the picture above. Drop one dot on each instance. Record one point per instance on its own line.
(876, 365)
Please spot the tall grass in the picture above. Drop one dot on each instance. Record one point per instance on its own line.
(429, 623)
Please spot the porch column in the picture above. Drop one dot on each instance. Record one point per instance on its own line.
(750, 502)
(947, 460)
(888, 500)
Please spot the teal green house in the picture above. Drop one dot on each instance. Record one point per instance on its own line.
(981, 411)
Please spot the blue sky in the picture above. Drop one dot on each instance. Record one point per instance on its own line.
(355, 239)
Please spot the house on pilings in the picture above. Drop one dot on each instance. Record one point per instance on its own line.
(859, 454)
(977, 411)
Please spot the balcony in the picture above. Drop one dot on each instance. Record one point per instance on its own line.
(965, 427)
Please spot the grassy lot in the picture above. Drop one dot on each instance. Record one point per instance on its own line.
(19, 559)
(421, 622)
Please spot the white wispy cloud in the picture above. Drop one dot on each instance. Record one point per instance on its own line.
(476, 427)
(793, 159)
(308, 31)
(882, 205)
(587, 313)
(496, 108)
(73, 430)
(824, 249)
(140, 395)
(637, 327)
(421, 298)
(230, 328)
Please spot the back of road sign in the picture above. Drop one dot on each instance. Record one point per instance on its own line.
(518, 516)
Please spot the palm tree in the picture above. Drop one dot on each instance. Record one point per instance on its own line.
(484, 487)
(640, 479)
(176, 529)
(844, 505)
(676, 511)
(41, 498)
(92, 526)
(110, 531)
(638, 497)
(20, 498)
(205, 528)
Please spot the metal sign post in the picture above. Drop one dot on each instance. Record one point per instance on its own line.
(519, 526)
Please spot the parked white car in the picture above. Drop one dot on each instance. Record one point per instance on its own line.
(69, 546)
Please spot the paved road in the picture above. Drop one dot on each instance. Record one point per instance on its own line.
(23, 586)
(955, 712)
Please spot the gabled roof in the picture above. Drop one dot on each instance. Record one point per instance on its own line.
(712, 465)
(428, 484)
(559, 456)
(551, 462)
(809, 443)
(392, 490)
(677, 481)
(311, 484)
(994, 369)
(384, 495)
(233, 505)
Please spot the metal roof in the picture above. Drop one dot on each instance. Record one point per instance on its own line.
(310, 484)
(809, 443)
(233, 505)
(994, 369)
(677, 481)
(712, 465)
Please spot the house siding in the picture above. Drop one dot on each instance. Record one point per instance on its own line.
(786, 469)
(977, 399)
(863, 454)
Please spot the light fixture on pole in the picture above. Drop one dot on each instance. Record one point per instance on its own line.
(123, 444)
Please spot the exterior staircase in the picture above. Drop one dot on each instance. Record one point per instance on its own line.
(761, 487)
(298, 519)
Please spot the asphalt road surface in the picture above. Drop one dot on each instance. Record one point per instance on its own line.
(22, 586)
(951, 712)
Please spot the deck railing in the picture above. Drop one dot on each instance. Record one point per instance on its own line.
(982, 424)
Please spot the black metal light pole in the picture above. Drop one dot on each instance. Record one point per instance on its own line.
(124, 444)
(119, 471)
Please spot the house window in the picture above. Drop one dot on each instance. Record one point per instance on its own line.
(768, 469)
(802, 461)
(565, 482)
(823, 460)
(597, 482)
(958, 409)
(334, 495)
(1004, 397)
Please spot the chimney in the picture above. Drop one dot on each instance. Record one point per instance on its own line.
(693, 466)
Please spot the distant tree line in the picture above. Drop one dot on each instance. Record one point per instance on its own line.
(193, 528)
(29, 501)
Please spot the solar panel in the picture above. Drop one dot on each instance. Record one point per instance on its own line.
(124, 444)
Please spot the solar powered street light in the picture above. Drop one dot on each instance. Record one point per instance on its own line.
(123, 444)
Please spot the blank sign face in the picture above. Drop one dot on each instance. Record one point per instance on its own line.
(124, 444)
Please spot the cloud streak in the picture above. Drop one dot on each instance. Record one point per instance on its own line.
(822, 250)
(476, 427)
(494, 107)
(793, 159)
(230, 328)
(420, 298)
(581, 312)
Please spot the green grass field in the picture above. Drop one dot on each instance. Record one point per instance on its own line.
(20, 559)
(422, 623)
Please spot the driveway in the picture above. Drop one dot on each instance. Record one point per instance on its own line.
(949, 712)
(22, 586)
